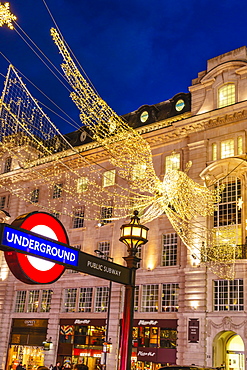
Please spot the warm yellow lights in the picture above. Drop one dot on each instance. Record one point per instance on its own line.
(134, 234)
(194, 305)
(6, 17)
(43, 158)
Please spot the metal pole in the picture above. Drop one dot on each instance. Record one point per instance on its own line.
(127, 322)
(104, 256)
(108, 320)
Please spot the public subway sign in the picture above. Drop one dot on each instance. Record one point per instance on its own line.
(26, 242)
(104, 269)
(37, 251)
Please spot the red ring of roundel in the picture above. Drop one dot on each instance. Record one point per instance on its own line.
(19, 264)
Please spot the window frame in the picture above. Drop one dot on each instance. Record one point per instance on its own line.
(170, 295)
(230, 97)
(78, 217)
(172, 162)
(223, 295)
(149, 304)
(101, 299)
(33, 301)
(109, 178)
(169, 250)
(7, 165)
(57, 191)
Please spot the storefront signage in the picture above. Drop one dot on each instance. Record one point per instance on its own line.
(145, 354)
(147, 323)
(81, 322)
(193, 330)
(157, 355)
(162, 323)
(29, 322)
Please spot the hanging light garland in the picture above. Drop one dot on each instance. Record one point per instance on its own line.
(42, 156)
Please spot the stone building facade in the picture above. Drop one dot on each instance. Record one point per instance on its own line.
(184, 313)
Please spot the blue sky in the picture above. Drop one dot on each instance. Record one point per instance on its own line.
(135, 52)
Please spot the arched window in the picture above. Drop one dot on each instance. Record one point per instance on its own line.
(226, 95)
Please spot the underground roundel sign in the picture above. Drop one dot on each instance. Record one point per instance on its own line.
(30, 269)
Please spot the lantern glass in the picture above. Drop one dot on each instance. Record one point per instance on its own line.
(136, 231)
(126, 230)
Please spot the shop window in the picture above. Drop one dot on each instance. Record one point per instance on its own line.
(80, 335)
(78, 218)
(170, 297)
(82, 184)
(101, 299)
(88, 336)
(226, 95)
(169, 251)
(229, 295)
(70, 300)
(66, 334)
(57, 191)
(152, 336)
(150, 298)
(168, 338)
(109, 178)
(106, 215)
(7, 165)
(85, 299)
(34, 198)
(173, 162)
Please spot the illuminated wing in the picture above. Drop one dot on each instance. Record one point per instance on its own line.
(127, 148)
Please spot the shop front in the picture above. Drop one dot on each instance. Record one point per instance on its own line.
(154, 344)
(81, 341)
(26, 343)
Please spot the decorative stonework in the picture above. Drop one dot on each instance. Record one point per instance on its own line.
(226, 324)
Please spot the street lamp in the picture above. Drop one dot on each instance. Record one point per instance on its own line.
(133, 235)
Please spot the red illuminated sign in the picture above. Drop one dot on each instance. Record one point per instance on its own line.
(33, 270)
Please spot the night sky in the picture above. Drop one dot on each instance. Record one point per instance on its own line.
(135, 52)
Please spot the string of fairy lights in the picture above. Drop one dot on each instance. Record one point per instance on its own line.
(43, 157)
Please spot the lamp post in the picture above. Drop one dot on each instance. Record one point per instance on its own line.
(107, 339)
(133, 235)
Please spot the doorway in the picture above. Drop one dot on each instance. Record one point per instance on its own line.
(228, 350)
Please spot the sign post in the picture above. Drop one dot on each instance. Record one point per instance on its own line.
(18, 244)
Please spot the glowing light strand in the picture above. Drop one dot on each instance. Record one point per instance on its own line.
(6, 17)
